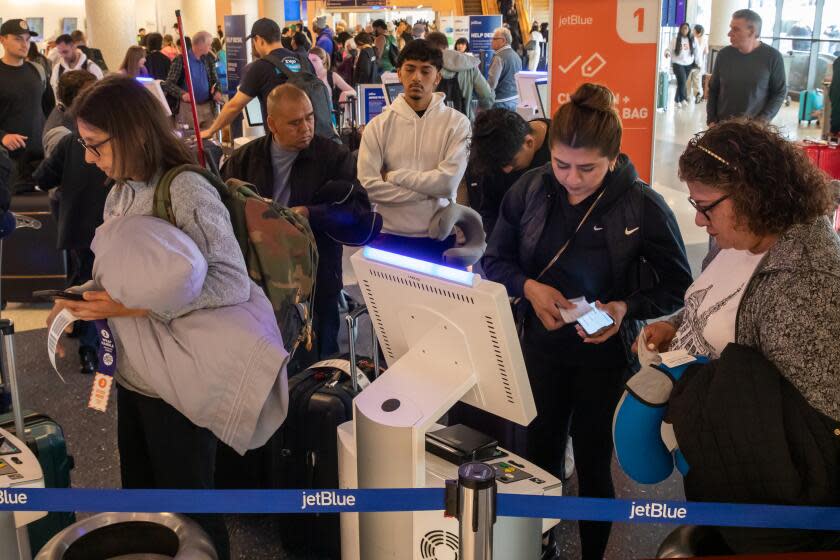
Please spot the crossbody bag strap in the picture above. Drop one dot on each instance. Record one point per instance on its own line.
(569, 240)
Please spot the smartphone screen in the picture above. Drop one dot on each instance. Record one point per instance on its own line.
(594, 321)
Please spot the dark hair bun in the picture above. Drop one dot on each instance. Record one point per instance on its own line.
(595, 97)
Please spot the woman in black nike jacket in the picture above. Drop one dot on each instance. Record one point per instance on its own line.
(623, 249)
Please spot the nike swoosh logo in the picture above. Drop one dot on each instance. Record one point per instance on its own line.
(628, 231)
(596, 228)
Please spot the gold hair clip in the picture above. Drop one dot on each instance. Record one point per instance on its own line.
(695, 141)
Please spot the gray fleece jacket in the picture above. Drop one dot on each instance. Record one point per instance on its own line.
(790, 311)
(470, 80)
(200, 214)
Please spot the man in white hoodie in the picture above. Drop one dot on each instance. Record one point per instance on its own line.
(413, 155)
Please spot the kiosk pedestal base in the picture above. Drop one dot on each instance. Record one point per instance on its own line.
(518, 538)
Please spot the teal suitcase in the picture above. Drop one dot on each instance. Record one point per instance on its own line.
(46, 439)
(810, 105)
(662, 85)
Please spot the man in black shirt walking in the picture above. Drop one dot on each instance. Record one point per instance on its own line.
(21, 113)
(261, 76)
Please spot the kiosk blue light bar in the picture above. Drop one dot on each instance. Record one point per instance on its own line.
(438, 271)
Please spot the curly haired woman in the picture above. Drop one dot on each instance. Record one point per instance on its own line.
(771, 284)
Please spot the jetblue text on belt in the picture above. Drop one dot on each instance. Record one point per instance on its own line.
(417, 499)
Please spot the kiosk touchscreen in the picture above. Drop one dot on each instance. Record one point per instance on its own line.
(532, 99)
(253, 113)
(392, 86)
(447, 335)
(154, 86)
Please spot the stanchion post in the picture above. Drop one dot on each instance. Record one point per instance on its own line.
(473, 499)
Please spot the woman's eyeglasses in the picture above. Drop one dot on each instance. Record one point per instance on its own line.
(93, 148)
(707, 208)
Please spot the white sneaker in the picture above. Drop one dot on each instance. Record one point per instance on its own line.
(569, 461)
(684, 103)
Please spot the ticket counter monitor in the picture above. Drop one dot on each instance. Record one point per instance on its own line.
(533, 95)
(447, 335)
(370, 101)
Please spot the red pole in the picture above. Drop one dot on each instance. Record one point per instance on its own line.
(190, 92)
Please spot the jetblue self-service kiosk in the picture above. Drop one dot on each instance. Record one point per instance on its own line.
(19, 468)
(447, 335)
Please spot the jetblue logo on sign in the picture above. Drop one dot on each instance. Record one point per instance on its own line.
(475, 22)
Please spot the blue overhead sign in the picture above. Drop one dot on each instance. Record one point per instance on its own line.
(237, 54)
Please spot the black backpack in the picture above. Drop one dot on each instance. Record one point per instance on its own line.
(84, 66)
(454, 95)
(393, 52)
(315, 89)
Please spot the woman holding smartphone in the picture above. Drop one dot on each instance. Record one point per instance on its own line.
(584, 225)
(159, 447)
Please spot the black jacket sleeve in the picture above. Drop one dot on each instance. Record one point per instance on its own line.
(340, 207)
(5, 173)
(501, 260)
(231, 168)
(51, 170)
(663, 248)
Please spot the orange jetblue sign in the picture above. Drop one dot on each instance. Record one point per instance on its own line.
(613, 43)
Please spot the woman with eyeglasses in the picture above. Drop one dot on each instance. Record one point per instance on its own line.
(159, 447)
(583, 226)
(770, 283)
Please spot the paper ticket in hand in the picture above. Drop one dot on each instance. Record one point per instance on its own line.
(61, 322)
(581, 308)
(646, 355)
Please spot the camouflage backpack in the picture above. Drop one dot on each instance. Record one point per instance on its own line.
(278, 246)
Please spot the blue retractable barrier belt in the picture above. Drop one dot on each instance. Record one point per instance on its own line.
(417, 499)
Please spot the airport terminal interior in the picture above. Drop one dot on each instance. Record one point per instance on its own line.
(334, 37)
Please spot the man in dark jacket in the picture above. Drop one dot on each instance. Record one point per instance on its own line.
(316, 177)
(502, 149)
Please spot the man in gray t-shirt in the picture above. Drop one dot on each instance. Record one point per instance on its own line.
(749, 77)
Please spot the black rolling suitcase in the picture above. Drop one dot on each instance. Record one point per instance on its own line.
(30, 258)
(304, 451)
(44, 437)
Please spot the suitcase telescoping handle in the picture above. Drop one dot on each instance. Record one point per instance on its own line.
(352, 320)
(7, 329)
